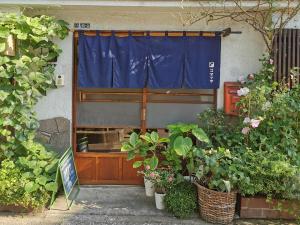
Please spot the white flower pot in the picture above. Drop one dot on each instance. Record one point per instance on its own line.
(149, 187)
(159, 201)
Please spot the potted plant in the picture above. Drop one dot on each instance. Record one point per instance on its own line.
(218, 178)
(147, 147)
(148, 181)
(163, 180)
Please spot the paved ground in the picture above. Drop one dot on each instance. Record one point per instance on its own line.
(108, 205)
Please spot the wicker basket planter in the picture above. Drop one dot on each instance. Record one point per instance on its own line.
(216, 207)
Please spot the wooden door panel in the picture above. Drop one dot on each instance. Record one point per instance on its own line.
(109, 168)
(86, 169)
(130, 173)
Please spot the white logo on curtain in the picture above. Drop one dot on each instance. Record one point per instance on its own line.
(211, 66)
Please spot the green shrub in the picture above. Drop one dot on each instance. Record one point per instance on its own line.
(27, 169)
(12, 188)
(181, 199)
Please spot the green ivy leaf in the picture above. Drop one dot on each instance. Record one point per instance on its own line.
(52, 186)
(42, 180)
(31, 187)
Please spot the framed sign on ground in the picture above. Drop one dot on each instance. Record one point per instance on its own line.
(66, 176)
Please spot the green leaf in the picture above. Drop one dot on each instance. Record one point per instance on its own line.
(153, 162)
(31, 187)
(147, 137)
(200, 135)
(137, 164)
(42, 180)
(2, 47)
(133, 139)
(4, 32)
(52, 186)
(154, 137)
(130, 155)
(182, 145)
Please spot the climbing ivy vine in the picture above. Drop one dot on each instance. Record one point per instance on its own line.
(27, 169)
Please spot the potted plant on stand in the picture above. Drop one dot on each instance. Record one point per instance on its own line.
(147, 147)
(163, 179)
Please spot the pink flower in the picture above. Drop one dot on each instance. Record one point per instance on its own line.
(245, 130)
(247, 120)
(152, 174)
(147, 167)
(254, 123)
(271, 61)
(241, 80)
(170, 179)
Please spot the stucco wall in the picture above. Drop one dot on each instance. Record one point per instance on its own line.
(239, 56)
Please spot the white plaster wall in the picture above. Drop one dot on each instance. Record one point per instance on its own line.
(239, 56)
(58, 102)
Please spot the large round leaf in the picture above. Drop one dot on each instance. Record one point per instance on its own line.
(182, 145)
(200, 135)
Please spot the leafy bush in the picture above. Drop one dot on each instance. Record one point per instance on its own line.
(147, 146)
(27, 180)
(181, 199)
(183, 147)
(274, 176)
(27, 170)
(223, 130)
(220, 170)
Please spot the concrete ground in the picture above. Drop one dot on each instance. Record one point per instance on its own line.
(109, 205)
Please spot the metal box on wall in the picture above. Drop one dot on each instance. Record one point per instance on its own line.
(231, 98)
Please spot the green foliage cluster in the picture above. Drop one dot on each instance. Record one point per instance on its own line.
(26, 167)
(182, 149)
(27, 180)
(181, 199)
(274, 176)
(147, 146)
(269, 150)
(223, 130)
(220, 170)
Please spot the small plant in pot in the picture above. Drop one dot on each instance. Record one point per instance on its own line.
(146, 147)
(218, 178)
(148, 180)
(163, 180)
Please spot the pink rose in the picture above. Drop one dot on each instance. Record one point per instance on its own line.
(271, 61)
(245, 130)
(152, 174)
(147, 167)
(254, 123)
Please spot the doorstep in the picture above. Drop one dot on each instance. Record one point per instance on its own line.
(107, 205)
